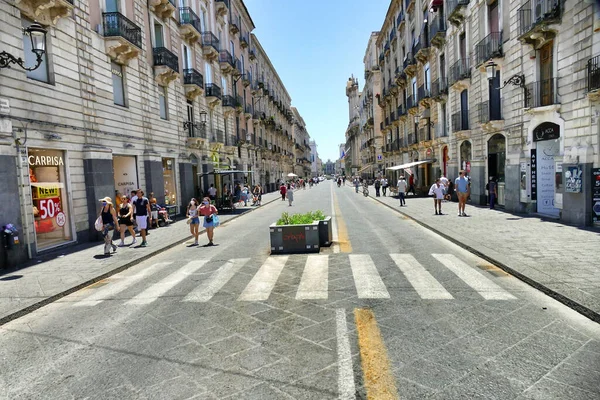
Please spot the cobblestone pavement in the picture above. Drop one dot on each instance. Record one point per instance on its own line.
(234, 322)
(68, 269)
(554, 256)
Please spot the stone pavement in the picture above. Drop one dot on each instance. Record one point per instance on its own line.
(26, 289)
(558, 259)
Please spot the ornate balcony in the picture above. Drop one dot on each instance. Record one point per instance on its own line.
(162, 8)
(535, 22)
(490, 116)
(411, 104)
(423, 94)
(410, 64)
(386, 48)
(244, 40)
(460, 121)
(455, 11)
(459, 71)
(393, 37)
(222, 7)
(248, 111)
(252, 54)
(439, 89)
(402, 113)
(541, 93)
(212, 92)
(166, 66)
(409, 5)
(123, 38)
(193, 83)
(189, 25)
(210, 46)
(400, 20)
(228, 103)
(45, 12)
(247, 79)
(489, 47)
(381, 59)
(401, 77)
(422, 54)
(593, 78)
(237, 67)
(226, 61)
(233, 28)
(437, 31)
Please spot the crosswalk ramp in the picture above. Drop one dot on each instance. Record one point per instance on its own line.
(440, 277)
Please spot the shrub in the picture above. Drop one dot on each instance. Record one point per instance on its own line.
(301, 219)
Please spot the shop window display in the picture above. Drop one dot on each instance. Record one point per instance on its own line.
(48, 190)
(169, 178)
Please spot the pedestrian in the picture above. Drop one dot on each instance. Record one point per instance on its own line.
(212, 192)
(377, 186)
(192, 214)
(282, 191)
(437, 191)
(492, 188)
(356, 184)
(461, 185)
(290, 194)
(109, 221)
(153, 210)
(384, 185)
(142, 211)
(445, 182)
(132, 199)
(401, 190)
(208, 211)
(245, 194)
(126, 220)
(411, 184)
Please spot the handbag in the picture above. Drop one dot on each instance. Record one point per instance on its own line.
(98, 225)
(216, 221)
(208, 219)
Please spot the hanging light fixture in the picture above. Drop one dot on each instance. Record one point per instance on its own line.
(37, 35)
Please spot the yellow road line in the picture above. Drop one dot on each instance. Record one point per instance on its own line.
(343, 238)
(377, 371)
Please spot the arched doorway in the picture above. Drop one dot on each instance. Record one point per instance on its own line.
(465, 156)
(497, 163)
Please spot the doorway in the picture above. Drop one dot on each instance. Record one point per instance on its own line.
(497, 164)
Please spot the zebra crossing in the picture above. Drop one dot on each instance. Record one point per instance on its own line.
(315, 279)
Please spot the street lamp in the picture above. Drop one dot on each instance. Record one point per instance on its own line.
(37, 35)
(516, 80)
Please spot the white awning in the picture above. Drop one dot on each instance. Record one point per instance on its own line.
(408, 165)
(362, 169)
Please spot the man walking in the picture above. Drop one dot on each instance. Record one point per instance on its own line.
(492, 188)
(411, 184)
(212, 192)
(401, 190)
(356, 183)
(142, 211)
(377, 187)
(384, 185)
(462, 190)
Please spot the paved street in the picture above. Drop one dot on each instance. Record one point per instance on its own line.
(391, 311)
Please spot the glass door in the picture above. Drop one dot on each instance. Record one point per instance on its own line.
(112, 6)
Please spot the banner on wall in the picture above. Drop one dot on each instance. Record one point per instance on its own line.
(125, 174)
(533, 173)
(596, 196)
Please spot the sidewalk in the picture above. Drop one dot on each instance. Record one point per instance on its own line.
(558, 259)
(24, 290)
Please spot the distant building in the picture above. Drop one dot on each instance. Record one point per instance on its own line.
(329, 168)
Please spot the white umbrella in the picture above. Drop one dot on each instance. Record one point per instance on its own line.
(292, 175)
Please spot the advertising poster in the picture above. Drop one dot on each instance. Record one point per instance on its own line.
(573, 180)
(546, 169)
(533, 174)
(125, 173)
(596, 196)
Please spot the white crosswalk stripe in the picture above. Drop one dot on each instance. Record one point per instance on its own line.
(481, 284)
(218, 279)
(260, 287)
(421, 280)
(315, 279)
(114, 288)
(158, 289)
(366, 278)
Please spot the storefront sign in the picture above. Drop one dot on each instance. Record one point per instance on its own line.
(533, 173)
(52, 161)
(546, 131)
(596, 196)
(573, 180)
(47, 192)
(49, 208)
(125, 174)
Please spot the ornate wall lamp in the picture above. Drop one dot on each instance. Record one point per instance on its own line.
(37, 35)
(516, 80)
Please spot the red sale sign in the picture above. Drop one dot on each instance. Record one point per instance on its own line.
(49, 208)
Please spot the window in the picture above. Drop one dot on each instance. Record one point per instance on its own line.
(232, 47)
(208, 75)
(112, 6)
(118, 84)
(162, 101)
(41, 73)
(159, 39)
(203, 20)
(187, 57)
(414, 89)
(190, 118)
(224, 84)
(427, 77)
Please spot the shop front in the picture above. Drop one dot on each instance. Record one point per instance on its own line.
(497, 164)
(168, 165)
(546, 137)
(49, 193)
(126, 175)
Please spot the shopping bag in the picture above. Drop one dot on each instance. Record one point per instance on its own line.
(98, 224)
(216, 220)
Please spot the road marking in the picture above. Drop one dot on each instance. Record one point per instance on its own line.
(421, 280)
(484, 286)
(120, 285)
(264, 281)
(334, 231)
(376, 365)
(366, 278)
(315, 279)
(346, 388)
(343, 239)
(218, 279)
(160, 288)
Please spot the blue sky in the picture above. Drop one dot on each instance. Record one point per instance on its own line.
(315, 45)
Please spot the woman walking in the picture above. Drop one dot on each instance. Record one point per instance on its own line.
(283, 191)
(208, 211)
(290, 194)
(192, 214)
(126, 220)
(109, 221)
(437, 191)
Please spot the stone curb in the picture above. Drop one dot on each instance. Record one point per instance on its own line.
(29, 309)
(580, 308)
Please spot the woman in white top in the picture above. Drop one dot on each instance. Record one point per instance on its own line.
(192, 213)
(437, 191)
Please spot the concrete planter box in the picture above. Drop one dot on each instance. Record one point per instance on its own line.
(287, 239)
(325, 232)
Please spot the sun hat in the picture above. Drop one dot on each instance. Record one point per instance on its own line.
(106, 199)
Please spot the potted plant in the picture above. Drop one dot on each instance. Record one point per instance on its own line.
(300, 233)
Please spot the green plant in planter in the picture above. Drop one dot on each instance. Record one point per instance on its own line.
(301, 219)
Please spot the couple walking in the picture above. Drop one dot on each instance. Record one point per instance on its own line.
(463, 189)
(287, 191)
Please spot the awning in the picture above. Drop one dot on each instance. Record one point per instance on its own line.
(362, 169)
(225, 172)
(410, 164)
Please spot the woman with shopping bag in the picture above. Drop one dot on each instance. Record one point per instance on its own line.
(108, 216)
(209, 212)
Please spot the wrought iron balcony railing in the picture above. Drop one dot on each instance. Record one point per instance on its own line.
(225, 2)
(437, 29)
(459, 70)
(453, 6)
(209, 39)
(483, 110)
(228, 101)
(116, 24)
(489, 47)
(409, 60)
(225, 57)
(212, 90)
(244, 41)
(410, 102)
(541, 93)
(193, 77)
(439, 87)
(401, 111)
(542, 11)
(188, 16)
(400, 19)
(593, 74)
(163, 57)
(460, 121)
(423, 92)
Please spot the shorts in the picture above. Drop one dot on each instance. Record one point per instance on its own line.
(154, 214)
(125, 221)
(210, 224)
(462, 195)
(142, 221)
(195, 221)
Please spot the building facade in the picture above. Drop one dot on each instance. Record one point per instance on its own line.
(502, 89)
(162, 94)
